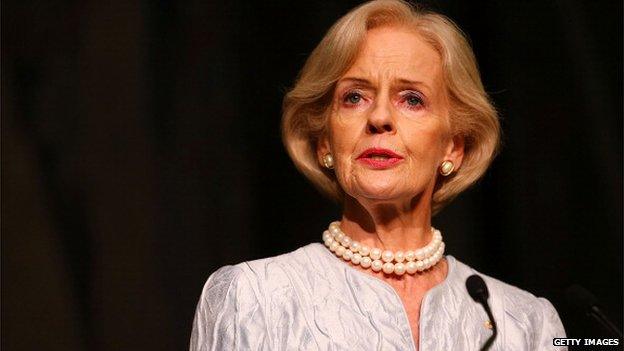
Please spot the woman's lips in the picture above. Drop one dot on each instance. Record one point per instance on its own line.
(379, 158)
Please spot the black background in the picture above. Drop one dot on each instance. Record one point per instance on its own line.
(141, 150)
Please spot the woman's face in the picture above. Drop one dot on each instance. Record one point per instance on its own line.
(389, 126)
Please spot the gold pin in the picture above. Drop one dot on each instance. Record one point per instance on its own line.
(488, 324)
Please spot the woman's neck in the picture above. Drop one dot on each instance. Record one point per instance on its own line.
(391, 226)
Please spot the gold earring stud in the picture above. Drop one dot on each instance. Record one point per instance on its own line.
(328, 161)
(447, 168)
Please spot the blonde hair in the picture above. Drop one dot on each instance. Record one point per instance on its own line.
(306, 105)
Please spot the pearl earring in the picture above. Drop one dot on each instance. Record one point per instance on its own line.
(328, 161)
(447, 168)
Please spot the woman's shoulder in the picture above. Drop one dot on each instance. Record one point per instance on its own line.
(518, 305)
(305, 258)
(237, 301)
(522, 297)
(227, 286)
(258, 276)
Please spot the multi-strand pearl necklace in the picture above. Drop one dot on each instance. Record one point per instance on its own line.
(387, 261)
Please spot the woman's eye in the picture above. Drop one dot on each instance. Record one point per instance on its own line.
(413, 100)
(353, 98)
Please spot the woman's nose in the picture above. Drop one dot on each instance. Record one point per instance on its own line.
(380, 119)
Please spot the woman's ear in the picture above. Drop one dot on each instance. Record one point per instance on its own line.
(455, 150)
(322, 148)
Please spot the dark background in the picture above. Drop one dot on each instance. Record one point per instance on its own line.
(141, 150)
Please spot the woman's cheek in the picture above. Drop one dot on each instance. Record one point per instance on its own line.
(346, 119)
(344, 134)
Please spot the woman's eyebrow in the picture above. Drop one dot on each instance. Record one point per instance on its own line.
(404, 82)
(368, 83)
(358, 80)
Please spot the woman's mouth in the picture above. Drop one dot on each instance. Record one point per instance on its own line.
(376, 158)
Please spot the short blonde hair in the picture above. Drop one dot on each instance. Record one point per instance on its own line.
(306, 106)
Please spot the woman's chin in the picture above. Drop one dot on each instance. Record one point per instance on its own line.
(379, 192)
(390, 187)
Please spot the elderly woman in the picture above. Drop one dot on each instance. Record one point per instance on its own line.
(389, 117)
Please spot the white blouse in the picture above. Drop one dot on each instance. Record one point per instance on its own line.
(309, 299)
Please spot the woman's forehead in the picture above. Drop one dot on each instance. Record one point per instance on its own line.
(396, 54)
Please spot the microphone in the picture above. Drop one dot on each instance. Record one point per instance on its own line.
(579, 296)
(479, 292)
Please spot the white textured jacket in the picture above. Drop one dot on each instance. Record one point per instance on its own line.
(309, 299)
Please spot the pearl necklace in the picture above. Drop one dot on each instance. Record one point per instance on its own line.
(390, 262)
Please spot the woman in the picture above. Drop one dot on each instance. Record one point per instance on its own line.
(390, 118)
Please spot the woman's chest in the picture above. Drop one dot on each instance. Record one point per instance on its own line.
(368, 323)
(412, 306)
(368, 319)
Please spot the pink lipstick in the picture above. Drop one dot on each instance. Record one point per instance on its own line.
(377, 158)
